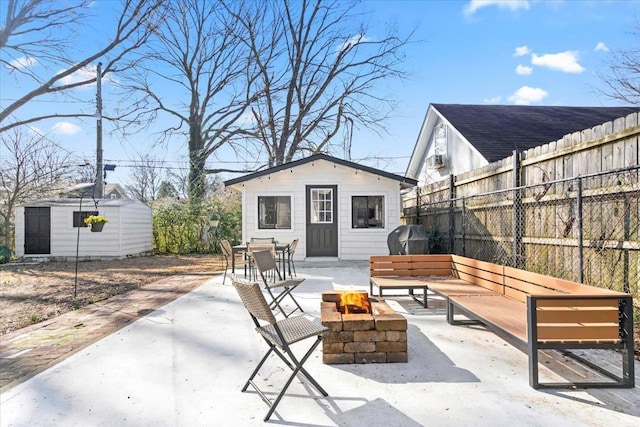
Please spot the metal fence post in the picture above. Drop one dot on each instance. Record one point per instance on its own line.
(418, 203)
(518, 255)
(452, 196)
(464, 226)
(580, 229)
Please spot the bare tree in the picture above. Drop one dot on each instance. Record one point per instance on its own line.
(198, 58)
(31, 167)
(623, 79)
(146, 178)
(45, 32)
(318, 70)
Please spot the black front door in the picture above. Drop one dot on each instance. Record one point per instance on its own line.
(322, 220)
(37, 231)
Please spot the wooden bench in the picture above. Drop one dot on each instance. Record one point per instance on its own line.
(532, 311)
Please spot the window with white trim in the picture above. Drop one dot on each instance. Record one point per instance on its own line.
(274, 212)
(321, 205)
(440, 140)
(367, 212)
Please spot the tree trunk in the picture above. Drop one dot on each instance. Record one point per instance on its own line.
(196, 184)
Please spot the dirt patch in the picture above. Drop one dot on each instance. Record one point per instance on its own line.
(31, 293)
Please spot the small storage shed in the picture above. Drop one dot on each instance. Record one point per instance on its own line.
(55, 229)
(334, 207)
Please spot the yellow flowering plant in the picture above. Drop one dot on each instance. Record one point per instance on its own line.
(95, 219)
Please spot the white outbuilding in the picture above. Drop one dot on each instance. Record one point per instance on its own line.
(335, 208)
(54, 229)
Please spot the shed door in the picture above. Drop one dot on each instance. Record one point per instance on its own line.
(37, 231)
(322, 221)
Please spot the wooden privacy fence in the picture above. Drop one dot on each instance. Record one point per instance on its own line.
(585, 229)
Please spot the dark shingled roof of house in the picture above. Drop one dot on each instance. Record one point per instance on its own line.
(497, 130)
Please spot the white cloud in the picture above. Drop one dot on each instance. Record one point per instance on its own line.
(358, 38)
(247, 119)
(564, 61)
(523, 70)
(65, 128)
(601, 46)
(522, 51)
(22, 62)
(513, 5)
(494, 100)
(526, 95)
(87, 73)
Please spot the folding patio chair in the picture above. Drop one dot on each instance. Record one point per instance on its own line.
(279, 335)
(266, 265)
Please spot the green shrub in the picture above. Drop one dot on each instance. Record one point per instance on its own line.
(183, 227)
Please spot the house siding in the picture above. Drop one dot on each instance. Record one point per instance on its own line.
(353, 244)
(128, 231)
(461, 156)
(136, 231)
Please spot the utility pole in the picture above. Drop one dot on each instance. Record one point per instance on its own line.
(98, 189)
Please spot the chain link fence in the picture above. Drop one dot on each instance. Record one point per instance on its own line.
(585, 229)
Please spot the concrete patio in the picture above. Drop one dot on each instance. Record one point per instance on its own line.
(185, 363)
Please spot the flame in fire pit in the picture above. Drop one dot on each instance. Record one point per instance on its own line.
(354, 302)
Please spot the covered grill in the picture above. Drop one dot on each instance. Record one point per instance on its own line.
(408, 240)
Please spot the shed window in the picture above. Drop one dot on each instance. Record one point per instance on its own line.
(274, 212)
(79, 216)
(367, 211)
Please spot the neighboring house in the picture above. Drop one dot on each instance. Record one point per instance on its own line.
(457, 138)
(115, 191)
(85, 190)
(336, 208)
(55, 229)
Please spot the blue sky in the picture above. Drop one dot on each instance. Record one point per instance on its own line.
(470, 52)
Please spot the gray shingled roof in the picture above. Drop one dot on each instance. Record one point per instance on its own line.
(497, 130)
(405, 182)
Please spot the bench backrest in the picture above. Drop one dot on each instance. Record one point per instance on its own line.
(520, 283)
(480, 273)
(409, 265)
(512, 282)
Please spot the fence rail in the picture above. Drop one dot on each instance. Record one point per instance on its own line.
(585, 229)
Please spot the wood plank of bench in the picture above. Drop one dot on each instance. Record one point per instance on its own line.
(456, 287)
(530, 282)
(505, 316)
(403, 282)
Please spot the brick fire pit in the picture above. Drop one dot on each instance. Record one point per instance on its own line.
(379, 337)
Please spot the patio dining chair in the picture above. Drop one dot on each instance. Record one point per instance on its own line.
(227, 253)
(278, 289)
(257, 247)
(279, 336)
(262, 240)
(291, 250)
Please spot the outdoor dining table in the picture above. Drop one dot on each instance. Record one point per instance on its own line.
(281, 250)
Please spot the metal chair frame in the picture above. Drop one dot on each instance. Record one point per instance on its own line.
(227, 253)
(279, 336)
(291, 250)
(266, 264)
